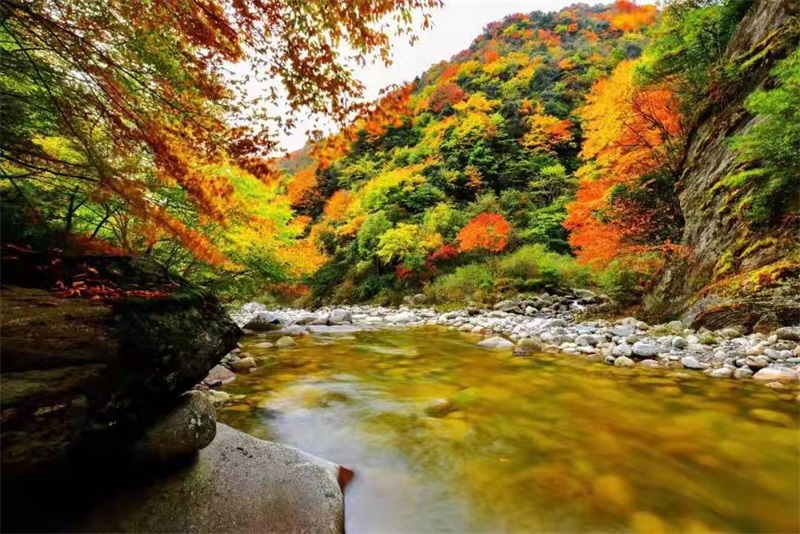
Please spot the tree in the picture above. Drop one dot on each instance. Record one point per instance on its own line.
(632, 140)
(137, 91)
(487, 232)
(444, 96)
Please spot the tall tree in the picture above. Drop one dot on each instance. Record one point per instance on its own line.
(118, 99)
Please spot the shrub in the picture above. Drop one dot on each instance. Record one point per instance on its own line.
(534, 267)
(461, 284)
(623, 283)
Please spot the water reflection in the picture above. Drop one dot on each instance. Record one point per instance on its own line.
(447, 437)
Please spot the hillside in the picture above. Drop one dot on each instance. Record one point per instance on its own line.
(492, 131)
(652, 155)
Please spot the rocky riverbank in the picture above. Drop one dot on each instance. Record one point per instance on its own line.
(550, 323)
(98, 432)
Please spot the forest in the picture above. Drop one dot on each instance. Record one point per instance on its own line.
(546, 154)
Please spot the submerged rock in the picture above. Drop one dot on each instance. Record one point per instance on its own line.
(243, 365)
(776, 374)
(527, 346)
(285, 342)
(237, 484)
(624, 361)
(496, 342)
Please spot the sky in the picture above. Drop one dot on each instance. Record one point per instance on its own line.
(455, 26)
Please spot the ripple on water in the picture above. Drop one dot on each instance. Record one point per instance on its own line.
(446, 436)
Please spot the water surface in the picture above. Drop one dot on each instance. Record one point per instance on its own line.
(445, 436)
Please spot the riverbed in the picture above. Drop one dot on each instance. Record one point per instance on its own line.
(446, 436)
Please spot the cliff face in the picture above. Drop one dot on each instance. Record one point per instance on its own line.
(730, 275)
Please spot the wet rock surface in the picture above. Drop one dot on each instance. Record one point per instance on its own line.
(237, 484)
(78, 375)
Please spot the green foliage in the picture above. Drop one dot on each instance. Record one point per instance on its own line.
(688, 46)
(534, 266)
(399, 242)
(771, 148)
(370, 233)
(463, 284)
(622, 283)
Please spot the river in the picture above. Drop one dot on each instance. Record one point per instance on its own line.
(444, 436)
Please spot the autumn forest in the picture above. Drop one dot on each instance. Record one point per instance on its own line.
(548, 153)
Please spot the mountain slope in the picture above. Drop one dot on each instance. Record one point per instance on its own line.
(493, 130)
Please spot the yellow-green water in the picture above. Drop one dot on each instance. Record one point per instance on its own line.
(544, 443)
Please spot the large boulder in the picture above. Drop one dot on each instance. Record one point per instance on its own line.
(264, 321)
(337, 317)
(85, 377)
(237, 484)
(186, 429)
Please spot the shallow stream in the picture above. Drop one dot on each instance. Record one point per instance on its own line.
(444, 436)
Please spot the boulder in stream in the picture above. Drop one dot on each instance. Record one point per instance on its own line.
(237, 484)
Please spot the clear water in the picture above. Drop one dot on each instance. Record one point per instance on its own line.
(445, 436)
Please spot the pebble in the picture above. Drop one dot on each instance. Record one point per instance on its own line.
(679, 343)
(243, 365)
(758, 362)
(645, 349)
(622, 350)
(496, 342)
(649, 364)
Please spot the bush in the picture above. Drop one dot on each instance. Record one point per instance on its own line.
(534, 267)
(461, 284)
(623, 284)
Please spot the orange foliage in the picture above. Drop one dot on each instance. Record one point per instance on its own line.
(487, 231)
(337, 205)
(627, 16)
(549, 38)
(443, 95)
(566, 64)
(629, 132)
(373, 118)
(448, 72)
(590, 36)
(302, 184)
(490, 56)
(547, 132)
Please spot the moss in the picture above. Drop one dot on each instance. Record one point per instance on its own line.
(724, 266)
(760, 244)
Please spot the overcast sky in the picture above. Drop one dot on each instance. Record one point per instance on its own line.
(454, 28)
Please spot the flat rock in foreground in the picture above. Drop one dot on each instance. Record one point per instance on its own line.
(237, 484)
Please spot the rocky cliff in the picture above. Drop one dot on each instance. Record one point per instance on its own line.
(734, 274)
